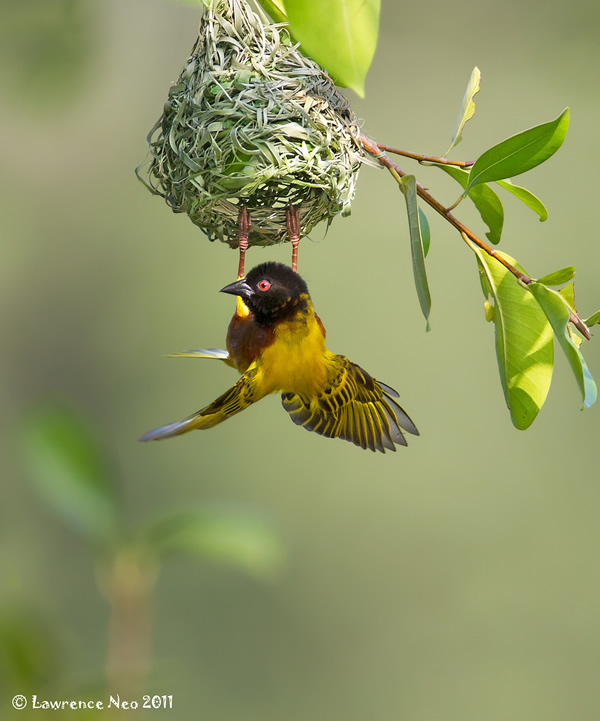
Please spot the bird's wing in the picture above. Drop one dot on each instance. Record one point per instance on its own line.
(354, 407)
(245, 392)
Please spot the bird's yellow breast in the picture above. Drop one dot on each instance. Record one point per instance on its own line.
(296, 362)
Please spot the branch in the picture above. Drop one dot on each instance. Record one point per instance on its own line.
(426, 158)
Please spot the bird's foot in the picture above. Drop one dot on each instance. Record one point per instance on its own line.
(244, 223)
(293, 228)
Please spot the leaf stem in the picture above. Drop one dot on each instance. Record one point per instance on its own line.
(426, 158)
(451, 207)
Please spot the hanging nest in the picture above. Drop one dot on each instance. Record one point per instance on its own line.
(252, 121)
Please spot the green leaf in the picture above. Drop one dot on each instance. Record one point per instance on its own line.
(425, 232)
(233, 536)
(275, 9)
(341, 35)
(568, 293)
(408, 186)
(68, 471)
(485, 199)
(467, 109)
(558, 313)
(526, 197)
(520, 152)
(524, 347)
(559, 276)
(593, 319)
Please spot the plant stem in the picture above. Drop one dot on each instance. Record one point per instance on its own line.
(426, 158)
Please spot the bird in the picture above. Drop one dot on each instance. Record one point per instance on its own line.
(276, 341)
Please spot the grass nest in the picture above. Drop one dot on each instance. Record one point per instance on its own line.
(252, 121)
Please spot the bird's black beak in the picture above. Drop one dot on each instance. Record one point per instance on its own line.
(240, 287)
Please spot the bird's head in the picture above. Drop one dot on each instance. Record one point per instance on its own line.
(272, 291)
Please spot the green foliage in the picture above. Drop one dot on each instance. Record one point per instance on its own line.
(558, 277)
(526, 197)
(467, 109)
(425, 232)
(567, 292)
(520, 152)
(557, 309)
(276, 9)
(409, 188)
(593, 319)
(524, 347)
(526, 314)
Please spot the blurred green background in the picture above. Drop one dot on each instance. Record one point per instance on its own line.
(457, 579)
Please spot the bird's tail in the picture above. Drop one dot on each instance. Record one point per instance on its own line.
(236, 399)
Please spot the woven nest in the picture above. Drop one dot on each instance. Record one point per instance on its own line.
(252, 121)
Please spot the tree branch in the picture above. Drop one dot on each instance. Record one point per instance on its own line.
(426, 158)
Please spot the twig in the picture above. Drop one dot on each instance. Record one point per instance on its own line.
(426, 158)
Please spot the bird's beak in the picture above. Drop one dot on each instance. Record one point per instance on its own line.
(240, 288)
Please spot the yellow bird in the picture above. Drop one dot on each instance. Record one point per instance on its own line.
(277, 342)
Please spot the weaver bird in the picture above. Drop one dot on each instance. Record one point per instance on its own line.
(245, 223)
(277, 342)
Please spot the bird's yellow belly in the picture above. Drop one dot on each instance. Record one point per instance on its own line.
(297, 361)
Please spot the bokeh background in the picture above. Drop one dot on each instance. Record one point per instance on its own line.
(456, 579)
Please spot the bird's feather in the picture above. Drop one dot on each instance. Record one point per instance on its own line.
(245, 392)
(215, 353)
(353, 406)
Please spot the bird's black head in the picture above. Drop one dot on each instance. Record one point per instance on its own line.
(272, 291)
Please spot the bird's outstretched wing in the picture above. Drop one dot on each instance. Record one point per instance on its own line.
(354, 407)
(236, 399)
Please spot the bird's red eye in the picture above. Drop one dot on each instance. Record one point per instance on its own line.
(264, 285)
